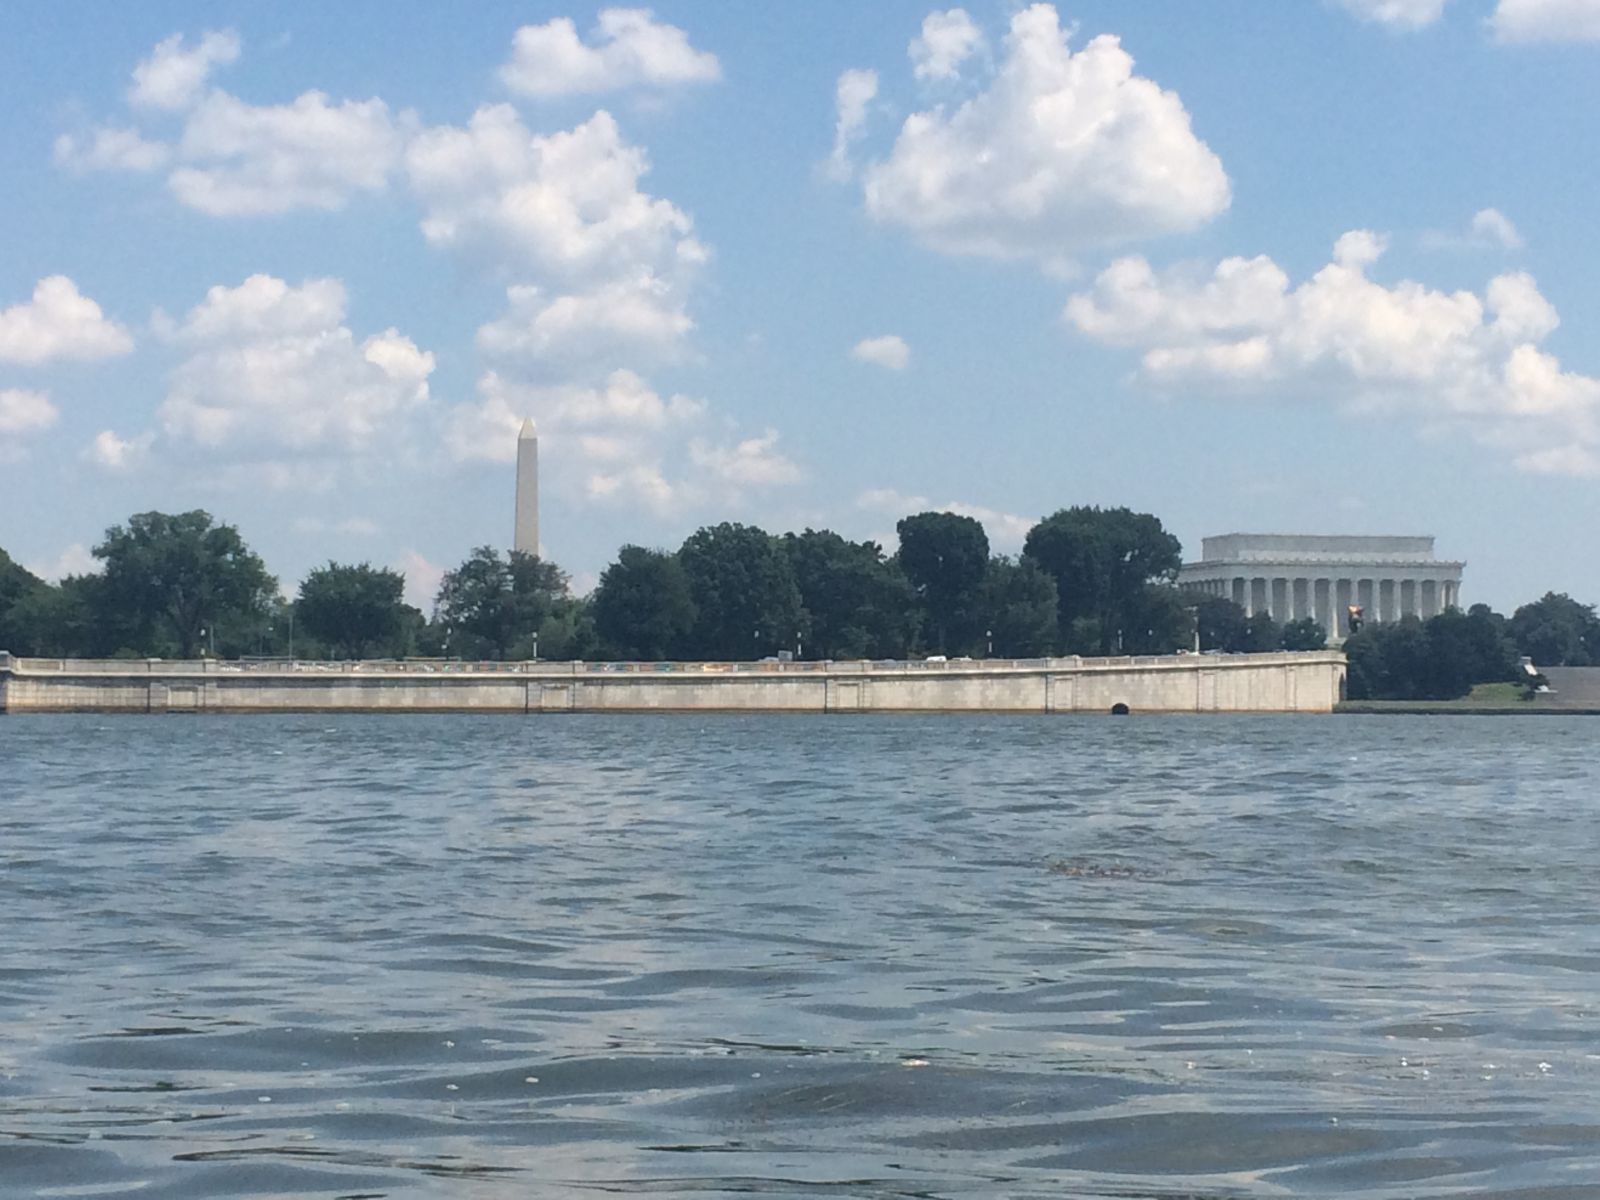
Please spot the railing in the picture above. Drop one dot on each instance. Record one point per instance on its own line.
(216, 667)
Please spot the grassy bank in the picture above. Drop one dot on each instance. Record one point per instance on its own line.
(1485, 700)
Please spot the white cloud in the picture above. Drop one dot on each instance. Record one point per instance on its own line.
(174, 74)
(1445, 358)
(59, 323)
(250, 160)
(566, 205)
(74, 560)
(1490, 229)
(113, 453)
(24, 412)
(854, 92)
(947, 40)
(422, 580)
(602, 268)
(889, 351)
(348, 526)
(1397, 14)
(618, 442)
(629, 49)
(606, 422)
(1547, 21)
(1495, 228)
(1006, 531)
(110, 149)
(643, 317)
(273, 365)
(753, 462)
(1063, 152)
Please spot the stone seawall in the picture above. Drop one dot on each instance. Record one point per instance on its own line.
(1304, 682)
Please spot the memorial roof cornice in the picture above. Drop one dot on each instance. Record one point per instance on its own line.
(1327, 560)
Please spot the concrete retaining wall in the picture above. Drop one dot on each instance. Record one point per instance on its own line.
(1308, 682)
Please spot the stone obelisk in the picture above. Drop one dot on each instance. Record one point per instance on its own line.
(526, 538)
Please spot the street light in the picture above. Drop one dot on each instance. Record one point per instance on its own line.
(989, 634)
(797, 645)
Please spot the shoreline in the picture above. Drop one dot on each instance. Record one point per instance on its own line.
(1282, 682)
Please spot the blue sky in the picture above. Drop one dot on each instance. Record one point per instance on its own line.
(1308, 266)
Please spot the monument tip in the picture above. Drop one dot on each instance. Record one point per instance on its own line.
(528, 429)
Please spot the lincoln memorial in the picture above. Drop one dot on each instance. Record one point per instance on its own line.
(1290, 576)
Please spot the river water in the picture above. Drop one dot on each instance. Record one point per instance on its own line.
(375, 956)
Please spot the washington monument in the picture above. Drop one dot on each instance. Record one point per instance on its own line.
(526, 538)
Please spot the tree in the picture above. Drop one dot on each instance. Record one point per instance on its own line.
(1304, 634)
(1222, 624)
(1439, 659)
(1019, 608)
(747, 604)
(492, 607)
(945, 557)
(17, 586)
(858, 603)
(1102, 561)
(642, 607)
(1389, 662)
(1557, 631)
(180, 574)
(1156, 621)
(356, 610)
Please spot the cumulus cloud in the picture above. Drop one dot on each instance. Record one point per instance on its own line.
(271, 365)
(422, 579)
(629, 48)
(601, 266)
(1489, 229)
(1445, 358)
(1397, 14)
(25, 412)
(174, 74)
(59, 323)
(751, 462)
(1494, 228)
(235, 159)
(604, 421)
(74, 560)
(113, 453)
(854, 92)
(250, 160)
(110, 149)
(619, 441)
(348, 526)
(1546, 21)
(1063, 152)
(889, 351)
(643, 317)
(947, 40)
(1006, 531)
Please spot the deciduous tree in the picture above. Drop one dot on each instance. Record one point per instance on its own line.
(182, 573)
(356, 610)
(858, 603)
(747, 604)
(945, 556)
(1102, 561)
(642, 607)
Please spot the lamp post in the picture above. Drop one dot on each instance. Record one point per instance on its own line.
(755, 646)
(989, 637)
(797, 645)
(535, 645)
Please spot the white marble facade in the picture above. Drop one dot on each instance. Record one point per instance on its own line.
(1290, 576)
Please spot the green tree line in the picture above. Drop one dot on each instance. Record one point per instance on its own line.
(1088, 581)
